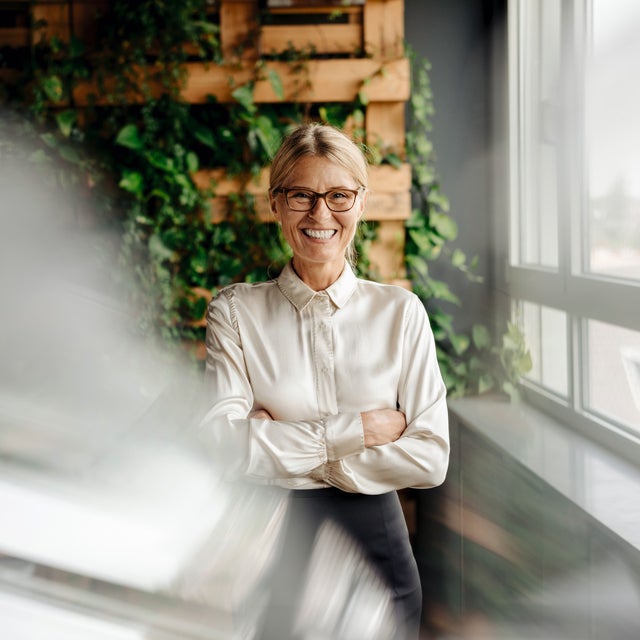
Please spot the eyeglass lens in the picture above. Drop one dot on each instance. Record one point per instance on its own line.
(335, 199)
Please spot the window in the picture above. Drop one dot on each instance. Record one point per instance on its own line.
(574, 272)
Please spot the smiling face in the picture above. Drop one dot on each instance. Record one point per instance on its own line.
(320, 237)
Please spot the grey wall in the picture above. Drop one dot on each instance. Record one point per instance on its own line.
(462, 41)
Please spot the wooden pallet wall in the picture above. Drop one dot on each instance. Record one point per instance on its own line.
(360, 51)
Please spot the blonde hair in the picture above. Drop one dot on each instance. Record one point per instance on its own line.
(325, 141)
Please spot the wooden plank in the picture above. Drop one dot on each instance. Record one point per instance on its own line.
(9, 76)
(314, 6)
(316, 38)
(15, 37)
(384, 28)
(388, 206)
(320, 81)
(324, 81)
(57, 17)
(86, 15)
(387, 250)
(390, 179)
(385, 125)
(239, 29)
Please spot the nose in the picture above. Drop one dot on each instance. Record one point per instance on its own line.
(320, 209)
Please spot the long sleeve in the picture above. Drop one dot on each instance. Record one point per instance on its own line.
(419, 458)
(265, 450)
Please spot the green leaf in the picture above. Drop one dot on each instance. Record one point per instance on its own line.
(158, 193)
(159, 250)
(131, 181)
(160, 161)
(204, 135)
(50, 140)
(444, 225)
(65, 120)
(441, 291)
(244, 95)
(481, 336)
(199, 259)
(460, 343)
(276, 83)
(268, 135)
(526, 363)
(192, 162)
(53, 88)
(485, 383)
(69, 154)
(363, 98)
(129, 137)
(458, 258)
(394, 160)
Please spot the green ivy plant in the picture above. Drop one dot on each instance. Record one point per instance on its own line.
(470, 363)
(136, 162)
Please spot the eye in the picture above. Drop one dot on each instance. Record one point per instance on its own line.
(337, 195)
(301, 195)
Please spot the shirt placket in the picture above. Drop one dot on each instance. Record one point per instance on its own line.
(323, 354)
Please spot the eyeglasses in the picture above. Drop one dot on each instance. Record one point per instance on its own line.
(338, 200)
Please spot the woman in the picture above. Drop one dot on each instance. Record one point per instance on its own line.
(324, 383)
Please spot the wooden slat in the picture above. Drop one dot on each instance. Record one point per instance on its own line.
(384, 28)
(15, 37)
(10, 76)
(56, 16)
(86, 14)
(238, 28)
(325, 81)
(322, 8)
(387, 251)
(390, 179)
(319, 38)
(385, 125)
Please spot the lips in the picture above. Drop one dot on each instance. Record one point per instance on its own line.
(319, 234)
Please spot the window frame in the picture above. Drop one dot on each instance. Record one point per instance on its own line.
(569, 287)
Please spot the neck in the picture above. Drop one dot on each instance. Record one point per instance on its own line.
(318, 276)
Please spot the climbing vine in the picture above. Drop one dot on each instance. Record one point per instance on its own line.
(134, 148)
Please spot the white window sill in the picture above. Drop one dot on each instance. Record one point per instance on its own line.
(602, 484)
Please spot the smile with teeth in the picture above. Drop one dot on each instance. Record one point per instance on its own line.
(320, 234)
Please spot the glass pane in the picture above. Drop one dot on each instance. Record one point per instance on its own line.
(545, 332)
(613, 362)
(539, 86)
(613, 140)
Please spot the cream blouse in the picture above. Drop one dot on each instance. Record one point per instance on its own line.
(314, 361)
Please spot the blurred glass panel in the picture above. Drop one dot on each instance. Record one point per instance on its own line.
(614, 372)
(545, 332)
(539, 87)
(613, 140)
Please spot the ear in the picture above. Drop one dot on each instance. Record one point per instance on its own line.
(273, 207)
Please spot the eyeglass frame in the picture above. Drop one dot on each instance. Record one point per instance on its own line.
(318, 196)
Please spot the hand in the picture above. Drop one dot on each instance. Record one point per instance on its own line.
(382, 426)
(261, 414)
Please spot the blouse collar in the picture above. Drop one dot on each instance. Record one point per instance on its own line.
(300, 294)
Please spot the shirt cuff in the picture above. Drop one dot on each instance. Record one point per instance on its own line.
(344, 435)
